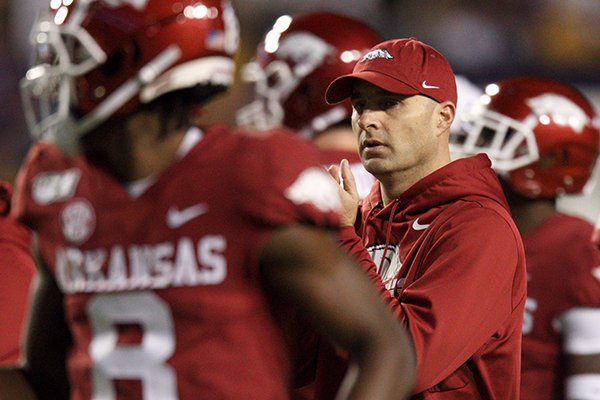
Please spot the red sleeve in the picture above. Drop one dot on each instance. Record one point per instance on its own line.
(28, 204)
(22, 190)
(473, 282)
(354, 246)
(16, 272)
(583, 261)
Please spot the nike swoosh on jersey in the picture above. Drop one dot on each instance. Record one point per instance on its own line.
(177, 218)
(419, 227)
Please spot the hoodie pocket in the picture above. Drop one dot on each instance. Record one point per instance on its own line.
(459, 385)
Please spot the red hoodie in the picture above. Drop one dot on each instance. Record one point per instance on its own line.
(449, 260)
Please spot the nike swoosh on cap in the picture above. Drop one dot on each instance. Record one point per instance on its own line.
(427, 86)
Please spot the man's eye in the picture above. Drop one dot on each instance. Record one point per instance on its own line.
(388, 103)
(358, 106)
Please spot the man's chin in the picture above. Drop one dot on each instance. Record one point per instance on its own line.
(374, 166)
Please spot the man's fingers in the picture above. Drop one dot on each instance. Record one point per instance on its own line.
(334, 171)
(347, 177)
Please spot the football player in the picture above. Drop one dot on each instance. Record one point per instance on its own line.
(294, 62)
(543, 142)
(17, 270)
(165, 246)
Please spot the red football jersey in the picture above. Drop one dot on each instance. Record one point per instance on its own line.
(16, 273)
(162, 290)
(563, 274)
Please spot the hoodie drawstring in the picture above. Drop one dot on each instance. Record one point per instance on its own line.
(388, 234)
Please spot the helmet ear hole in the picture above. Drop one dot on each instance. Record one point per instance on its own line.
(113, 65)
(566, 156)
(550, 160)
(119, 59)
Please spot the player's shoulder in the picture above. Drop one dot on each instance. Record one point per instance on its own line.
(247, 134)
(275, 146)
(46, 176)
(569, 235)
(44, 157)
(274, 138)
(571, 224)
(562, 229)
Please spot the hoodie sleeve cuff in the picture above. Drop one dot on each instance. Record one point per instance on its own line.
(353, 245)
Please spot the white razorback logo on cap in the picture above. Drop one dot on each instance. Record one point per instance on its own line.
(379, 53)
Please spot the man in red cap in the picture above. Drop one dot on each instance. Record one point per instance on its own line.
(435, 236)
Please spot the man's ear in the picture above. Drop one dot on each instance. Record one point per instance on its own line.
(446, 113)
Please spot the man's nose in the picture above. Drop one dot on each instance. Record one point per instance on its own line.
(368, 119)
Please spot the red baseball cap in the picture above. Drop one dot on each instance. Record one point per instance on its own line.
(402, 66)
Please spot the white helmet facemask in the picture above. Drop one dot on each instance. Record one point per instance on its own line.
(509, 144)
(272, 86)
(63, 52)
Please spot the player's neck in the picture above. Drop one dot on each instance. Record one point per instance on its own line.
(151, 155)
(530, 214)
(152, 150)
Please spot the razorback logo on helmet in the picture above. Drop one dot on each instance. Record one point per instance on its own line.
(50, 187)
(137, 4)
(306, 50)
(560, 109)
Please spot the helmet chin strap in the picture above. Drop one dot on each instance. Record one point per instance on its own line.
(125, 92)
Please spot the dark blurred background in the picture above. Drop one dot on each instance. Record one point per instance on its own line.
(484, 40)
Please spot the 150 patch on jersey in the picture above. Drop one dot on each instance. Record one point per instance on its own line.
(50, 187)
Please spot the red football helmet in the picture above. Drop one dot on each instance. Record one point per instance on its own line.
(295, 62)
(541, 135)
(99, 58)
